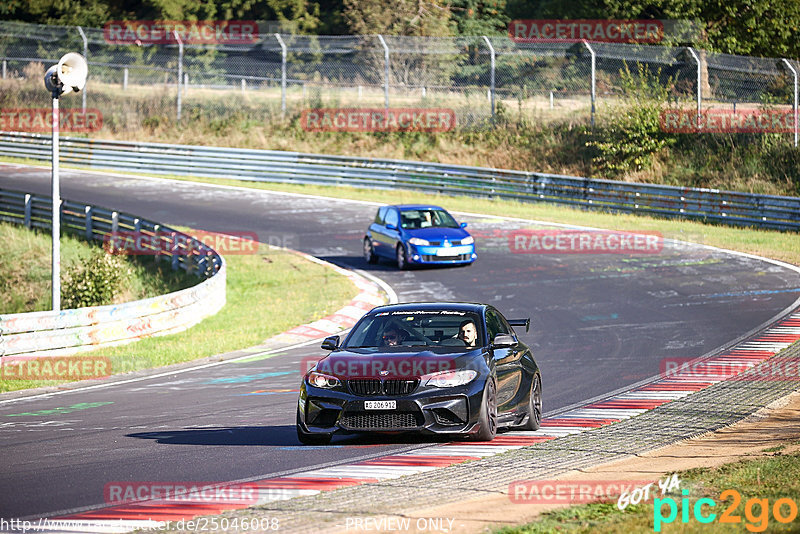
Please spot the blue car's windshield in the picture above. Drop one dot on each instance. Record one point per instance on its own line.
(417, 328)
(426, 218)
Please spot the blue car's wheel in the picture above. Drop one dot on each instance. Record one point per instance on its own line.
(402, 258)
(369, 252)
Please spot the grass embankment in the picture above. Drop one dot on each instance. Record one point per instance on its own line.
(527, 136)
(771, 478)
(267, 293)
(25, 271)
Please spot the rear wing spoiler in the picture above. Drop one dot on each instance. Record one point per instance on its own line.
(521, 322)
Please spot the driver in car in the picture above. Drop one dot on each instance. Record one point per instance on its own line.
(468, 333)
(392, 337)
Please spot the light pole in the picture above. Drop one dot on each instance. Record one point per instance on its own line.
(68, 76)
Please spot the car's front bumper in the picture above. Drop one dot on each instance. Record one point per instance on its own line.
(431, 411)
(441, 255)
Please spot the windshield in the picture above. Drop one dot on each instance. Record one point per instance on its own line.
(417, 328)
(426, 218)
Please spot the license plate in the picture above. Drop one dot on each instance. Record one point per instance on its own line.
(447, 252)
(380, 405)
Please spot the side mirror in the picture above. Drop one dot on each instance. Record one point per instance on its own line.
(391, 226)
(463, 225)
(503, 341)
(330, 343)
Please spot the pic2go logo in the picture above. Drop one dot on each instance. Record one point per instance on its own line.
(756, 511)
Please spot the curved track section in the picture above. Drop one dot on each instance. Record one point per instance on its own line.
(601, 322)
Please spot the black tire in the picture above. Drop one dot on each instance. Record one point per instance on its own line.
(534, 405)
(402, 258)
(488, 415)
(311, 439)
(369, 252)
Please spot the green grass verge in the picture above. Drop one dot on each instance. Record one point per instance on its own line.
(771, 478)
(267, 293)
(25, 270)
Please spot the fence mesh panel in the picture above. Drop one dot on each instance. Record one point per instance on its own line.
(136, 85)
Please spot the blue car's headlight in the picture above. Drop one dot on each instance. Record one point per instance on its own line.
(468, 240)
(419, 241)
(449, 379)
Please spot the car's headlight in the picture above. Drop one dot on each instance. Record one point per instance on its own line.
(322, 380)
(419, 241)
(468, 240)
(449, 379)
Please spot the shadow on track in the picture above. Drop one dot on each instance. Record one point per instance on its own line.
(274, 436)
(383, 265)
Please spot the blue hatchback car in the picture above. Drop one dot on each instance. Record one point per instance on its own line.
(418, 234)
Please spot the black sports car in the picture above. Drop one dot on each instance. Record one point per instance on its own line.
(441, 368)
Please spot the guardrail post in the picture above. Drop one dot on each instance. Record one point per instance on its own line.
(385, 72)
(185, 83)
(283, 72)
(27, 211)
(174, 251)
(794, 104)
(86, 56)
(594, 77)
(125, 79)
(5, 67)
(88, 211)
(699, 83)
(157, 254)
(491, 72)
(114, 222)
(180, 69)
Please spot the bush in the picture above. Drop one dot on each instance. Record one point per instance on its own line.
(633, 134)
(96, 281)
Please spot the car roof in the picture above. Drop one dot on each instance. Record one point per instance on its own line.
(428, 306)
(403, 207)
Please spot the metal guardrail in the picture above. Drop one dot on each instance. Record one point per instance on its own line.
(711, 205)
(51, 333)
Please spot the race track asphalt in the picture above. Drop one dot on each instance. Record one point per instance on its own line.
(599, 322)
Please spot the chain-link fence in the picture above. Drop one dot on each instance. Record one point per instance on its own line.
(280, 75)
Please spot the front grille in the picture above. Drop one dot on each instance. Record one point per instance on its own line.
(459, 257)
(380, 421)
(367, 387)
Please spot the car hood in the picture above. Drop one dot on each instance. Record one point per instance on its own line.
(438, 233)
(399, 363)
